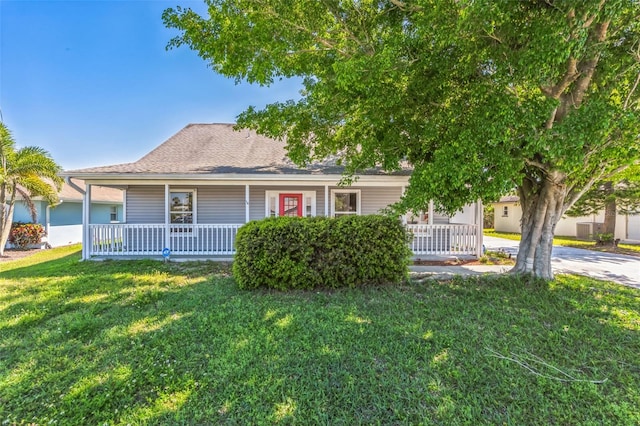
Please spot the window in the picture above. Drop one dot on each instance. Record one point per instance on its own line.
(181, 206)
(345, 202)
(505, 211)
(113, 213)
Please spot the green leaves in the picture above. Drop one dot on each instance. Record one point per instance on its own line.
(304, 253)
(28, 171)
(466, 92)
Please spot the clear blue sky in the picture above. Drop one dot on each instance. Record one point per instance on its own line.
(91, 82)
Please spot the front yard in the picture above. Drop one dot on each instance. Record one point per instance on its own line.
(143, 342)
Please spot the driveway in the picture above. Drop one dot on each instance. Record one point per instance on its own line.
(614, 267)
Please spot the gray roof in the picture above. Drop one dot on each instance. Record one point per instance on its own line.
(216, 149)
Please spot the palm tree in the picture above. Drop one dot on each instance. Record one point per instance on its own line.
(28, 172)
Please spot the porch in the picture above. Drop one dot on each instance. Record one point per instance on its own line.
(201, 240)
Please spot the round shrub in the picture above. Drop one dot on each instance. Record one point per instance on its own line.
(304, 253)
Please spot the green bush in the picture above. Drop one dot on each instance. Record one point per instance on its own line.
(304, 253)
(22, 235)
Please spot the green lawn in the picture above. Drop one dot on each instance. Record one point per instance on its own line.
(632, 249)
(142, 342)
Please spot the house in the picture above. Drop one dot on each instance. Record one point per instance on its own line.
(63, 222)
(189, 196)
(507, 215)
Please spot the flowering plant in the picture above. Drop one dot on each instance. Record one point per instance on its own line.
(23, 235)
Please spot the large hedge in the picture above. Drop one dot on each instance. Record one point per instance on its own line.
(304, 253)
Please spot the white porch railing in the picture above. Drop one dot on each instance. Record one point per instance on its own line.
(444, 239)
(151, 239)
(114, 240)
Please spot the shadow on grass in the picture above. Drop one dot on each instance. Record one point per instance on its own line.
(131, 343)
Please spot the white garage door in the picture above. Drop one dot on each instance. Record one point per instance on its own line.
(634, 227)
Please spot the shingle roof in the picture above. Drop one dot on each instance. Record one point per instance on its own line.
(98, 193)
(216, 149)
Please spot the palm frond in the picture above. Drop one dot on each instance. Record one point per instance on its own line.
(28, 201)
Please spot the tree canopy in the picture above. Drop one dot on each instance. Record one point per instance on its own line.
(478, 97)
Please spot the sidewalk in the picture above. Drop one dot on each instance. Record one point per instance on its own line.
(448, 272)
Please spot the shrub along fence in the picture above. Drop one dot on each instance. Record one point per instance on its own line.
(304, 253)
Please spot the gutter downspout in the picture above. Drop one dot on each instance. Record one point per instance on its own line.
(47, 219)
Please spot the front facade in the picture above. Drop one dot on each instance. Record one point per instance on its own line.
(190, 195)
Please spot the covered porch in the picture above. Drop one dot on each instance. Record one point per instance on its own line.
(192, 234)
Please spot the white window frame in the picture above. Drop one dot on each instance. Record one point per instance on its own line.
(194, 213)
(505, 211)
(276, 194)
(358, 211)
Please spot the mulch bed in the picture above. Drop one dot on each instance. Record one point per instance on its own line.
(14, 254)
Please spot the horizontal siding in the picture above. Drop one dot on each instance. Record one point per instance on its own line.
(221, 204)
(440, 218)
(145, 204)
(376, 199)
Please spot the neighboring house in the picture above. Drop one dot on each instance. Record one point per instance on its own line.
(63, 222)
(507, 215)
(192, 193)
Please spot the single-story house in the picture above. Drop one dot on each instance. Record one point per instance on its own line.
(507, 215)
(189, 196)
(63, 222)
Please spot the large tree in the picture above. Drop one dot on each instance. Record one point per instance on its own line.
(27, 172)
(478, 96)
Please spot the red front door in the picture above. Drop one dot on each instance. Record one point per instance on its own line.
(291, 205)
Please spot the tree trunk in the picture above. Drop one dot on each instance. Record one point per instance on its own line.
(5, 225)
(542, 207)
(610, 210)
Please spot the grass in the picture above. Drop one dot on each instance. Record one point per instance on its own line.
(143, 342)
(631, 249)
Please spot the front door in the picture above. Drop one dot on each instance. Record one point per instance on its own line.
(291, 205)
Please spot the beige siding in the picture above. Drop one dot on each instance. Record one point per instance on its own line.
(509, 223)
(221, 204)
(145, 204)
(633, 227)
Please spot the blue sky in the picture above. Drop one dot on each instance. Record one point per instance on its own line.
(91, 81)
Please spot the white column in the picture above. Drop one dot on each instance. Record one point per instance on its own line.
(479, 227)
(430, 212)
(326, 201)
(404, 216)
(167, 216)
(247, 196)
(86, 220)
(124, 206)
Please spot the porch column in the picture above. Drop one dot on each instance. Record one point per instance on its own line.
(479, 227)
(86, 221)
(404, 216)
(326, 201)
(430, 212)
(167, 216)
(247, 196)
